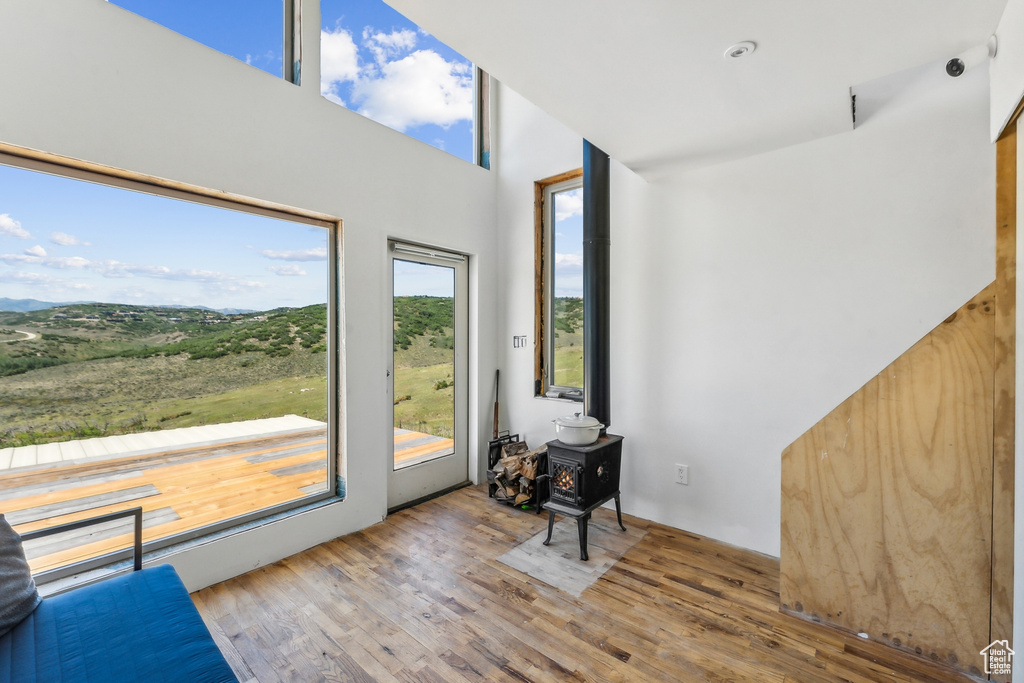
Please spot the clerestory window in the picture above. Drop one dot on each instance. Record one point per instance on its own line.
(261, 33)
(378, 63)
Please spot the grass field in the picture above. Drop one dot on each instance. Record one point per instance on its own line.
(427, 409)
(123, 395)
(103, 369)
(424, 387)
(98, 369)
(142, 369)
(569, 359)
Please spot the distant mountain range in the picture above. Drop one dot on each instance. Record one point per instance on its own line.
(28, 305)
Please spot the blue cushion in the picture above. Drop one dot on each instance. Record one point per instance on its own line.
(18, 595)
(140, 626)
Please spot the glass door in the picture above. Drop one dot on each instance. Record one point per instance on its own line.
(428, 372)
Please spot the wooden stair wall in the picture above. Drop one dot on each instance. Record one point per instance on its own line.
(897, 507)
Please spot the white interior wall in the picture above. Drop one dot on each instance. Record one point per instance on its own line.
(1007, 72)
(97, 83)
(750, 298)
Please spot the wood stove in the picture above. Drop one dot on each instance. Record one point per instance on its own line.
(581, 479)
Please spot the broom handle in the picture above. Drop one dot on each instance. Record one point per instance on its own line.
(496, 380)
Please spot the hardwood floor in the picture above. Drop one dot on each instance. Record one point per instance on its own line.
(422, 597)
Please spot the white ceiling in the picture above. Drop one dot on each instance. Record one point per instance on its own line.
(647, 82)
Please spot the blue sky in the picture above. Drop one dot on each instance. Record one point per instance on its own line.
(68, 240)
(380, 64)
(568, 247)
(422, 279)
(374, 61)
(249, 30)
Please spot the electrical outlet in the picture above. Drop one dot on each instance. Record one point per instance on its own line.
(683, 474)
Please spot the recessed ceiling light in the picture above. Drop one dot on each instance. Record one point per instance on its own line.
(740, 50)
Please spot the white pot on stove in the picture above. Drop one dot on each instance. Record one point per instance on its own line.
(578, 429)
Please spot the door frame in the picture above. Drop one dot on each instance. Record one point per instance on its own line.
(421, 481)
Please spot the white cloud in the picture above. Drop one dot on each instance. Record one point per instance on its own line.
(48, 261)
(287, 270)
(9, 226)
(232, 286)
(138, 294)
(67, 262)
(206, 276)
(48, 285)
(263, 61)
(339, 62)
(418, 89)
(568, 261)
(568, 204)
(26, 278)
(385, 46)
(315, 254)
(395, 85)
(12, 259)
(36, 251)
(66, 240)
(118, 269)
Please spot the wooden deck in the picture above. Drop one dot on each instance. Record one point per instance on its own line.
(423, 596)
(412, 448)
(179, 489)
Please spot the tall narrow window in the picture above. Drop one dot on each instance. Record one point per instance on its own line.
(559, 333)
(376, 62)
(252, 31)
(162, 353)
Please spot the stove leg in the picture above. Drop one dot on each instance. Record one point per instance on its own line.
(551, 526)
(581, 526)
(618, 511)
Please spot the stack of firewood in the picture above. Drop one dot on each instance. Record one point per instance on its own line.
(515, 474)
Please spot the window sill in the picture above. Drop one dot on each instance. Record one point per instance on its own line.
(560, 399)
(66, 583)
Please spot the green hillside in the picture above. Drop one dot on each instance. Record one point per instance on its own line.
(69, 334)
(424, 383)
(100, 369)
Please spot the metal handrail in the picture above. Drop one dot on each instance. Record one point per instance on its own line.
(135, 512)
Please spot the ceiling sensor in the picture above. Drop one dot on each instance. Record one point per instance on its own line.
(740, 49)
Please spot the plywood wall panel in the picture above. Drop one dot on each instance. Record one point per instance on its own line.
(887, 502)
(1004, 434)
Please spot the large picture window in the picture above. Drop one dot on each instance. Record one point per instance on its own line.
(163, 353)
(559, 273)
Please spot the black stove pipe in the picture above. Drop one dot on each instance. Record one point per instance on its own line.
(596, 285)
